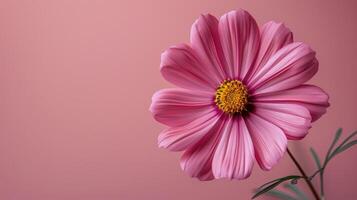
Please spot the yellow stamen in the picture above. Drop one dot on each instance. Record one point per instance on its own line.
(232, 97)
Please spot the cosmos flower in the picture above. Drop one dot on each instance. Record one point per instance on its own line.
(241, 96)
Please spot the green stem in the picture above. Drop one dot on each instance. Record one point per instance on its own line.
(306, 178)
(322, 184)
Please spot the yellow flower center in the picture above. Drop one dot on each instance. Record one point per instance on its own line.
(232, 97)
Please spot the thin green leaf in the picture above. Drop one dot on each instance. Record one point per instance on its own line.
(337, 136)
(345, 147)
(278, 179)
(341, 145)
(316, 158)
(300, 194)
(339, 149)
(280, 195)
(348, 138)
(320, 169)
(272, 184)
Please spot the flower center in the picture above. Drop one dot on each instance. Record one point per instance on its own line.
(232, 97)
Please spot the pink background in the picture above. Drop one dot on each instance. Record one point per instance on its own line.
(76, 79)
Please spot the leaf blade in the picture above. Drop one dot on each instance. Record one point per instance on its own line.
(272, 184)
(346, 146)
(337, 136)
(316, 158)
(336, 151)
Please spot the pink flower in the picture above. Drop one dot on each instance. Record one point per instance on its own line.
(242, 96)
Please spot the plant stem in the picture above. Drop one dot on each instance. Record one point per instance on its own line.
(322, 185)
(306, 178)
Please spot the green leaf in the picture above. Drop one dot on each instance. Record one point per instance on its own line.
(348, 138)
(320, 169)
(316, 158)
(337, 151)
(278, 179)
(337, 136)
(280, 195)
(272, 184)
(345, 147)
(300, 194)
(332, 153)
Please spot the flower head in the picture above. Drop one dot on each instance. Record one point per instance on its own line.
(241, 96)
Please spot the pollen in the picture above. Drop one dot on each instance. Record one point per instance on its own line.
(232, 97)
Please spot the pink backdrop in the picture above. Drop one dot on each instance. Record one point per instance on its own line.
(76, 79)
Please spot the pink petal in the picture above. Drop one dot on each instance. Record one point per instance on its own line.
(273, 37)
(239, 35)
(177, 107)
(311, 97)
(180, 65)
(205, 41)
(291, 66)
(234, 156)
(197, 160)
(294, 120)
(269, 141)
(180, 138)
